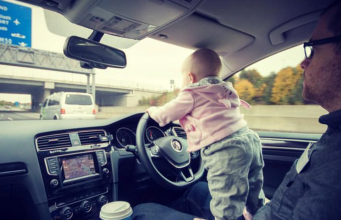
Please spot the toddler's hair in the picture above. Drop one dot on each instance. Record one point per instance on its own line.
(202, 63)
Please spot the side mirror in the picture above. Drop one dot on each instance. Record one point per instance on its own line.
(41, 104)
(93, 53)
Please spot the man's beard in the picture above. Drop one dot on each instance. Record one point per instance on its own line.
(326, 90)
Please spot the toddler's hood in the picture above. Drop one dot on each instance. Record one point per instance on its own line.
(221, 93)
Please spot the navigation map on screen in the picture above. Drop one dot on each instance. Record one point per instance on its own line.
(78, 166)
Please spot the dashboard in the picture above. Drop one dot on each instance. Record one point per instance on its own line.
(69, 169)
(125, 136)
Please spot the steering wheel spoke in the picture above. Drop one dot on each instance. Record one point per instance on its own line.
(190, 174)
(172, 149)
(154, 151)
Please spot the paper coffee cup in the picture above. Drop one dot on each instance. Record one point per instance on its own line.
(116, 211)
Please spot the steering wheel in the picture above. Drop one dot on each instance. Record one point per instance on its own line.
(171, 148)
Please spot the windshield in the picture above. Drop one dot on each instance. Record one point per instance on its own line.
(152, 78)
(153, 69)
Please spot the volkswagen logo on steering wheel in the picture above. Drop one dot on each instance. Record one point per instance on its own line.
(176, 145)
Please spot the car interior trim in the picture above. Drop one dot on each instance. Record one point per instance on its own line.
(12, 172)
(86, 152)
(98, 145)
(176, 133)
(67, 204)
(281, 148)
(123, 128)
(279, 158)
(164, 134)
(277, 35)
(312, 139)
(80, 178)
(182, 33)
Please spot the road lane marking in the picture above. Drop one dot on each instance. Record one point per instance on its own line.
(10, 119)
(28, 115)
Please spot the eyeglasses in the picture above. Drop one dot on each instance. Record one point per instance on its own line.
(309, 46)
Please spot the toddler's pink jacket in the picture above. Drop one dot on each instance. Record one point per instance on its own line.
(207, 113)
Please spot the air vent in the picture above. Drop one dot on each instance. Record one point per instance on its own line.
(53, 142)
(90, 137)
(179, 132)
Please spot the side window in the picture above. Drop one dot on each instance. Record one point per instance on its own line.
(45, 103)
(273, 87)
(51, 101)
(56, 101)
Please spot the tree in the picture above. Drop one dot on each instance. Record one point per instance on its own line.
(253, 76)
(144, 101)
(296, 95)
(259, 93)
(284, 85)
(269, 82)
(159, 100)
(245, 90)
(233, 79)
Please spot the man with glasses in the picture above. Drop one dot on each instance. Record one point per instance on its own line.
(311, 190)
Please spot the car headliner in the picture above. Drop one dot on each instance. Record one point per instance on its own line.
(242, 31)
(253, 18)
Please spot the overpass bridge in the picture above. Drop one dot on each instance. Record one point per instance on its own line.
(39, 87)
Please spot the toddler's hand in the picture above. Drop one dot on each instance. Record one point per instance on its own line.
(150, 109)
(247, 215)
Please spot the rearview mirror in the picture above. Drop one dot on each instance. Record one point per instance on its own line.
(96, 54)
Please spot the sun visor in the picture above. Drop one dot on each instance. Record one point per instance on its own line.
(209, 34)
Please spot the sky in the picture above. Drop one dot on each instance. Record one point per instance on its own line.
(151, 63)
(291, 57)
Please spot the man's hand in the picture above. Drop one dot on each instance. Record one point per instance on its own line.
(199, 219)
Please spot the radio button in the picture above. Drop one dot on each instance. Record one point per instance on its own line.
(54, 183)
(66, 213)
(52, 160)
(102, 200)
(53, 167)
(101, 157)
(53, 163)
(85, 207)
(106, 171)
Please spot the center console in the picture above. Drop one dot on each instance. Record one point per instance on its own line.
(77, 177)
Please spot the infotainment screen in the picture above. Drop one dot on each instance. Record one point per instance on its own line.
(78, 166)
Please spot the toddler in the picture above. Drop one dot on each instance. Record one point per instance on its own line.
(208, 110)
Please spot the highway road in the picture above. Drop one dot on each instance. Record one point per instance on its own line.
(18, 115)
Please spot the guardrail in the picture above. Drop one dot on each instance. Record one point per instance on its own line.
(287, 118)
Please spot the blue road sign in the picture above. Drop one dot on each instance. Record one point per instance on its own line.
(15, 24)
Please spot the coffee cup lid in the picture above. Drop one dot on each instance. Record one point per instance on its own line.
(116, 211)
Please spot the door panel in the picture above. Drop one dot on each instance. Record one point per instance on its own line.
(280, 150)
